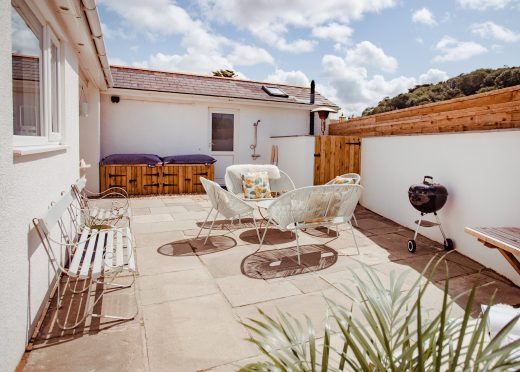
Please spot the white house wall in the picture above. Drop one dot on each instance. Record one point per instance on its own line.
(169, 128)
(479, 170)
(28, 184)
(89, 133)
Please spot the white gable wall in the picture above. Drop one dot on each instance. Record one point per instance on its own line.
(173, 128)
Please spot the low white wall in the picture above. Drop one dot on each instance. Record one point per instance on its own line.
(480, 171)
(296, 158)
(89, 133)
(170, 128)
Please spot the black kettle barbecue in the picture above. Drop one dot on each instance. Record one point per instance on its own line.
(428, 197)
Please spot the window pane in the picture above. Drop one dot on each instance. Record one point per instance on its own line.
(26, 61)
(222, 127)
(54, 88)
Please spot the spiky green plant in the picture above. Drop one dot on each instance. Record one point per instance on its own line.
(394, 333)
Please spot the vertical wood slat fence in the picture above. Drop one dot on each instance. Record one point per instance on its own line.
(334, 156)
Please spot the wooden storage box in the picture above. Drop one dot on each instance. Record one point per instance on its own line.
(154, 180)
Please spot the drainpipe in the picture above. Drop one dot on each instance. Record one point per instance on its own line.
(89, 7)
(311, 120)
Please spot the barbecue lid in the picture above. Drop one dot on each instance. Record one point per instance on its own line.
(428, 187)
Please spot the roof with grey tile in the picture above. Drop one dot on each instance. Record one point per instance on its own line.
(201, 85)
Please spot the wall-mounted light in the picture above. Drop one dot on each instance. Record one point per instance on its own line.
(83, 104)
(323, 113)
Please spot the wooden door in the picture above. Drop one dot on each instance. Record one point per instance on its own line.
(334, 156)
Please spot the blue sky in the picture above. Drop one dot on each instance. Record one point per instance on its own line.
(357, 51)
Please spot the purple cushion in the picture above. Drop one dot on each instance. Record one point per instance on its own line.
(148, 159)
(189, 159)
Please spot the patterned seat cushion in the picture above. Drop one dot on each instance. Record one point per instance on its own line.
(256, 185)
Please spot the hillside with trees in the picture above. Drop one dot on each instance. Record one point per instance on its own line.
(478, 81)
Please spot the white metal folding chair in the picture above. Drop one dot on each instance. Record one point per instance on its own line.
(326, 205)
(226, 204)
(117, 212)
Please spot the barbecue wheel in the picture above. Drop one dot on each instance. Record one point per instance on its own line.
(448, 244)
(412, 247)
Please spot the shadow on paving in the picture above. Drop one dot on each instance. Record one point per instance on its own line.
(115, 301)
(282, 263)
(196, 246)
(462, 271)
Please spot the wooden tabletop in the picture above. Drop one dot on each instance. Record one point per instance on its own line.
(506, 238)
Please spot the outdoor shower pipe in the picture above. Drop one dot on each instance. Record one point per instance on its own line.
(254, 155)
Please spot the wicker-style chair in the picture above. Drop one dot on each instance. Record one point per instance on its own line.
(356, 178)
(226, 204)
(326, 205)
(279, 185)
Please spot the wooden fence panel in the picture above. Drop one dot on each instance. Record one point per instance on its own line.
(334, 156)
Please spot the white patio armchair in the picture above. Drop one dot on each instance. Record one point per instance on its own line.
(225, 204)
(313, 206)
(357, 180)
(279, 181)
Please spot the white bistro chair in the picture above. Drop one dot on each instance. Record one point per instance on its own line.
(353, 176)
(225, 204)
(280, 185)
(313, 206)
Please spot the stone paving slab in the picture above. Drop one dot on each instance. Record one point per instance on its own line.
(194, 334)
(190, 305)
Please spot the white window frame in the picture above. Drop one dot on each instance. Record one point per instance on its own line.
(47, 39)
(51, 40)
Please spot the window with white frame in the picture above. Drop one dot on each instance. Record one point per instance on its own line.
(36, 74)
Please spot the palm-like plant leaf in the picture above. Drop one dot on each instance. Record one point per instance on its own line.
(396, 333)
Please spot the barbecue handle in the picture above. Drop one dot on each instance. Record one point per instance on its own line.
(428, 177)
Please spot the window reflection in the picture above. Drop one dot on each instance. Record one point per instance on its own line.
(222, 128)
(26, 62)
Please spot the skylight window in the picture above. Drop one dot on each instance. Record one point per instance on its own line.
(275, 91)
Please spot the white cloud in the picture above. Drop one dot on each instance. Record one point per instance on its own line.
(334, 31)
(270, 21)
(483, 4)
(117, 61)
(351, 87)
(366, 53)
(433, 76)
(491, 30)
(205, 50)
(247, 55)
(289, 77)
(113, 33)
(354, 90)
(453, 50)
(23, 39)
(425, 16)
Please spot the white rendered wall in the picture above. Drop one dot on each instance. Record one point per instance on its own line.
(28, 184)
(480, 171)
(164, 128)
(89, 133)
(296, 158)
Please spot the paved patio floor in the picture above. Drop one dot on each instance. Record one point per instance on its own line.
(191, 297)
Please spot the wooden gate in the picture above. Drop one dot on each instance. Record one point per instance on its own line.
(334, 156)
